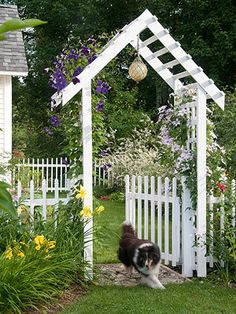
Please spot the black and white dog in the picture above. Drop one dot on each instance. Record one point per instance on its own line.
(143, 255)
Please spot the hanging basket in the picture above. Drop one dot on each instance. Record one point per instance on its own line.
(138, 70)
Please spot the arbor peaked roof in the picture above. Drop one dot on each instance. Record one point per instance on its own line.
(128, 35)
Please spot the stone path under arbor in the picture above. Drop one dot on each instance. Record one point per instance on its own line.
(115, 274)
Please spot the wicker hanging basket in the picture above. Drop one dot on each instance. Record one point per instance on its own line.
(138, 70)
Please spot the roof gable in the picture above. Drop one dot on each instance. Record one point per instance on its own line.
(128, 35)
(12, 50)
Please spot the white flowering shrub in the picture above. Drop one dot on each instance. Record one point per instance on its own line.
(137, 155)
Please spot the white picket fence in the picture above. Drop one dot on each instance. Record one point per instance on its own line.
(42, 199)
(49, 169)
(101, 175)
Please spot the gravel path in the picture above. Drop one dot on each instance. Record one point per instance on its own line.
(116, 274)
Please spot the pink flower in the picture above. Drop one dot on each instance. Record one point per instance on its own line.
(221, 186)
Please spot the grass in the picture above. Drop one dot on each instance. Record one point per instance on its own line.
(188, 298)
(108, 231)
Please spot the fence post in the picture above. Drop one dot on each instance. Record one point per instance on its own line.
(44, 190)
(146, 220)
(153, 220)
(132, 202)
(32, 199)
(56, 196)
(187, 232)
(127, 203)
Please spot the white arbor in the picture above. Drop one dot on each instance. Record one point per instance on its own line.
(206, 89)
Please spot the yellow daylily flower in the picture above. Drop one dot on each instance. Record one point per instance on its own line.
(38, 247)
(99, 209)
(9, 254)
(20, 209)
(20, 254)
(82, 193)
(86, 212)
(51, 244)
(39, 240)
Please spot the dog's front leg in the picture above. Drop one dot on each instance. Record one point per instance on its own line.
(152, 282)
(155, 279)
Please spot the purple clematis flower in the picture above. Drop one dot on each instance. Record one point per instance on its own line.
(100, 106)
(75, 80)
(106, 167)
(85, 51)
(77, 71)
(47, 131)
(58, 80)
(102, 87)
(91, 59)
(55, 121)
(103, 153)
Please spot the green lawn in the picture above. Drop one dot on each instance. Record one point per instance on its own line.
(107, 226)
(188, 298)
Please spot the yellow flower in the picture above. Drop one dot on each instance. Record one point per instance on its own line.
(86, 212)
(82, 193)
(21, 208)
(51, 244)
(38, 247)
(39, 240)
(9, 254)
(99, 209)
(20, 254)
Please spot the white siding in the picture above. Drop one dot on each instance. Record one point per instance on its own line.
(5, 117)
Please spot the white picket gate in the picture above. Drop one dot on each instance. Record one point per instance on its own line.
(161, 210)
(153, 208)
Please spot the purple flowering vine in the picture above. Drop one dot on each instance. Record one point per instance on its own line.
(102, 87)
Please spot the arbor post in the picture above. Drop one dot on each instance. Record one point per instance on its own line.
(87, 170)
(201, 182)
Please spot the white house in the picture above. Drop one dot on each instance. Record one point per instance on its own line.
(12, 63)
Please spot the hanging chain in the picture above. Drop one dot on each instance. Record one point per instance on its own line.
(138, 45)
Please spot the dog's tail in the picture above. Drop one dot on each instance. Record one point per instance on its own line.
(127, 228)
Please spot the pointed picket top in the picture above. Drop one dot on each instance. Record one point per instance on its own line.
(128, 35)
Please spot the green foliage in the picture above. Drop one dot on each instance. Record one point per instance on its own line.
(17, 24)
(226, 131)
(117, 196)
(221, 234)
(6, 204)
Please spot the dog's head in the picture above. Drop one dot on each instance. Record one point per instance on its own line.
(148, 257)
